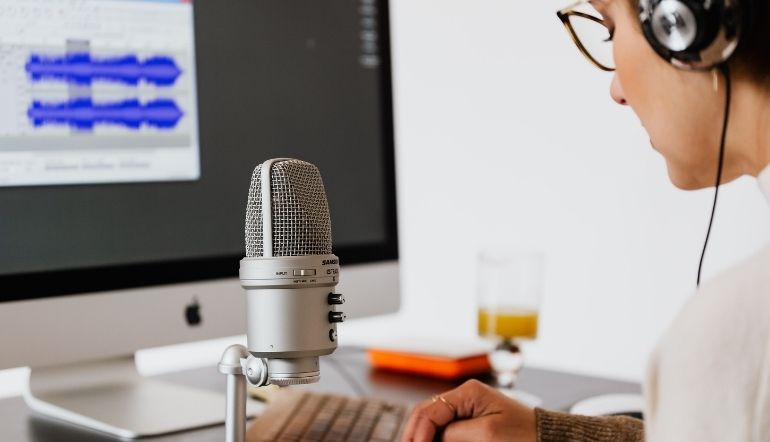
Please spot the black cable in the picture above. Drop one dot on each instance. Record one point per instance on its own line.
(352, 382)
(726, 73)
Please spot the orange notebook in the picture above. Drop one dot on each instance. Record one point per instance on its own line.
(442, 360)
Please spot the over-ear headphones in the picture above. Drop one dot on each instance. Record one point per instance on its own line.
(692, 34)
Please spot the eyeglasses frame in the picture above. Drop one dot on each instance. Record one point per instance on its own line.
(564, 15)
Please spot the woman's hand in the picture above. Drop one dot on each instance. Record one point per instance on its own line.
(472, 412)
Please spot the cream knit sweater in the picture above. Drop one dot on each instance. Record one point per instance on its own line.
(709, 377)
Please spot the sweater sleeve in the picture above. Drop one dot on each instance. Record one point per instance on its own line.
(562, 427)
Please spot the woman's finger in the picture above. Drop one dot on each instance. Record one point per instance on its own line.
(427, 418)
(432, 415)
(471, 430)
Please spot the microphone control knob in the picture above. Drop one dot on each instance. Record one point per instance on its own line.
(336, 299)
(335, 317)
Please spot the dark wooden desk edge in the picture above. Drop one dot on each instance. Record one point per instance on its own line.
(558, 391)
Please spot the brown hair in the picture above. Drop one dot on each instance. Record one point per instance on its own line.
(752, 57)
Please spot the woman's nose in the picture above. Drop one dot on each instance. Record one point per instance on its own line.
(616, 91)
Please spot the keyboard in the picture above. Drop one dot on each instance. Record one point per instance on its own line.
(300, 416)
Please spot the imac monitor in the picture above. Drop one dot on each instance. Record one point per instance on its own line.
(128, 133)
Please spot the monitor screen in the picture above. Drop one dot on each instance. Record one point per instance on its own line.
(132, 128)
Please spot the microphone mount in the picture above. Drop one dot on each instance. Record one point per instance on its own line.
(240, 366)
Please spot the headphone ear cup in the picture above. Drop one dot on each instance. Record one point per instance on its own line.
(672, 25)
(691, 34)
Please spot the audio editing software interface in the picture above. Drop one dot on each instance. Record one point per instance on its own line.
(97, 91)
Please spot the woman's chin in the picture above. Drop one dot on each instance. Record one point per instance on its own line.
(685, 181)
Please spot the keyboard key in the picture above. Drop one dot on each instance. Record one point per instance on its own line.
(269, 425)
(388, 424)
(323, 420)
(302, 418)
(363, 426)
(341, 426)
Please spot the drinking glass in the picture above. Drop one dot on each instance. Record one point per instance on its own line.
(510, 290)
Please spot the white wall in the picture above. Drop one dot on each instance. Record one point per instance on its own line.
(506, 134)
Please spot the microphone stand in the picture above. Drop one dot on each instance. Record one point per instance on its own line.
(240, 366)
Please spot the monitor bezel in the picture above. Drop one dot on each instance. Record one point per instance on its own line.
(40, 285)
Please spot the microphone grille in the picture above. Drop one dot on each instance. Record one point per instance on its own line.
(301, 224)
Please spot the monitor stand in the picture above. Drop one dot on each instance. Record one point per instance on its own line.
(112, 397)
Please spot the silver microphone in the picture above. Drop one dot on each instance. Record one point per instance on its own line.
(289, 272)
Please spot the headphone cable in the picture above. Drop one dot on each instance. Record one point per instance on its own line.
(726, 73)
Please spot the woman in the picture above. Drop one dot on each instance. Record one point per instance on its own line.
(697, 74)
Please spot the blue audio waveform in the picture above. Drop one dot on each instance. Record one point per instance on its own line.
(84, 114)
(82, 69)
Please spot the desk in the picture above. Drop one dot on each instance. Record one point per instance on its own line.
(558, 391)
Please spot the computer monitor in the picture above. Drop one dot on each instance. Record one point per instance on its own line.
(128, 133)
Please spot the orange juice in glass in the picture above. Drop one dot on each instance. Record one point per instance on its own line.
(510, 288)
(508, 322)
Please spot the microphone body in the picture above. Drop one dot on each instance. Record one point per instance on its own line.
(290, 316)
(289, 272)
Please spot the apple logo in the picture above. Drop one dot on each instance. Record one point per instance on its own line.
(193, 313)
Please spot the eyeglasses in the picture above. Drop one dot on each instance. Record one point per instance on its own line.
(590, 33)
